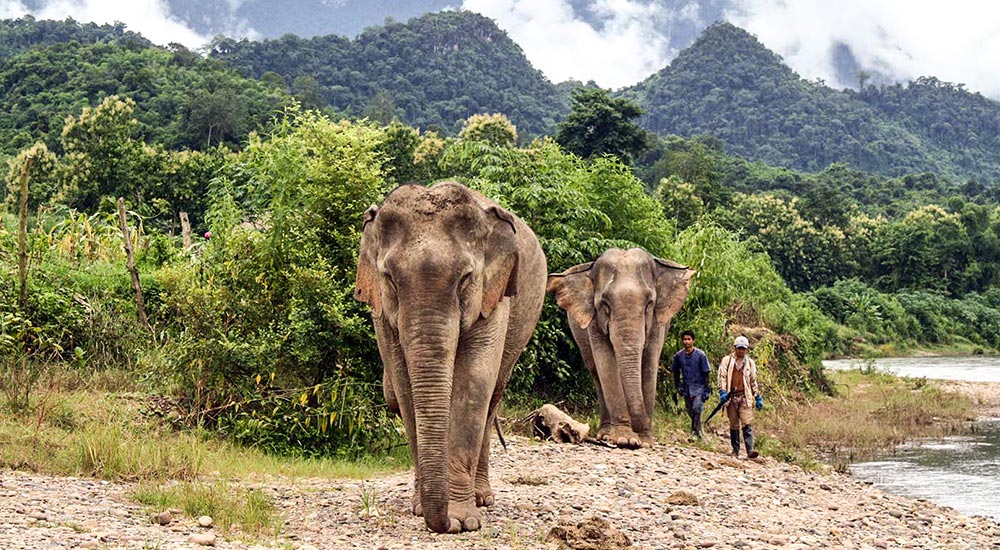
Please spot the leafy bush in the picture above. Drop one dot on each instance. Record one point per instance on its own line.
(272, 295)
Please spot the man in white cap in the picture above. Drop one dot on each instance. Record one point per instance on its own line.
(738, 385)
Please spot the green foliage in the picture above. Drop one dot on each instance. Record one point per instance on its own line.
(274, 292)
(599, 124)
(180, 100)
(806, 256)
(495, 129)
(18, 35)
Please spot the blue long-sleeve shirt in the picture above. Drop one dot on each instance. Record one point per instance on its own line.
(691, 372)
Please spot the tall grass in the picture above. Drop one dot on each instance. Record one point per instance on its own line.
(871, 414)
(250, 510)
(117, 437)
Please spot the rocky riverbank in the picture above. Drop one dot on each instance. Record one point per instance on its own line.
(985, 396)
(547, 496)
(665, 497)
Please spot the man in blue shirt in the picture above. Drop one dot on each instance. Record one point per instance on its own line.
(692, 380)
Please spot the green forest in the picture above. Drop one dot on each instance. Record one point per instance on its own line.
(813, 245)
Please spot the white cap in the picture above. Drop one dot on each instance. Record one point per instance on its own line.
(741, 342)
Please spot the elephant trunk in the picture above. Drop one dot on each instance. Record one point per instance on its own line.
(429, 346)
(629, 351)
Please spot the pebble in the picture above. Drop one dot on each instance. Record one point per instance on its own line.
(203, 539)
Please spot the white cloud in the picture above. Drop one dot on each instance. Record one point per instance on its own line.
(627, 48)
(904, 39)
(956, 42)
(12, 9)
(151, 18)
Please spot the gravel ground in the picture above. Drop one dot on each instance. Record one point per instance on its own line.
(670, 496)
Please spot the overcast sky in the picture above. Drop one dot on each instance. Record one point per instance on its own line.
(959, 43)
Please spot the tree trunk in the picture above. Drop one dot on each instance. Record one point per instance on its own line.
(140, 305)
(22, 235)
(186, 230)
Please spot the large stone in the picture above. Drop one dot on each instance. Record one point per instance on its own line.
(589, 534)
(682, 498)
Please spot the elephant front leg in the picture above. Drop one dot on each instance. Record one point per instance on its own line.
(396, 388)
(477, 368)
(582, 339)
(650, 370)
(620, 431)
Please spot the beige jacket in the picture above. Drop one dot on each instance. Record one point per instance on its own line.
(727, 368)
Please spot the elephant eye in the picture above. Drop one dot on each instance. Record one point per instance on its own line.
(463, 283)
(605, 308)
(388, 279)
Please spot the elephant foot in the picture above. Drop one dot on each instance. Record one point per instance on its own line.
(484, 494)
(622, 436)
(646, 439)
(418, 509)
(603, 432)
(464, 516)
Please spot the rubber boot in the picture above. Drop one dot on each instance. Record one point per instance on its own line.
(734, 440)
(748, 440)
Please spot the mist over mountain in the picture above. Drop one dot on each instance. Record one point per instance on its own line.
(304, 18)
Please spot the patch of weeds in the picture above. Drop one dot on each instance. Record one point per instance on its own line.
(370, 508)
(76, 527)
(251, 510)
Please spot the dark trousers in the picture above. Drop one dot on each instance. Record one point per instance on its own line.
(694, 405)
(734, 439)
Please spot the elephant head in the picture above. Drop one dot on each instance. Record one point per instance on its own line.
(434, 265)
(619, 307)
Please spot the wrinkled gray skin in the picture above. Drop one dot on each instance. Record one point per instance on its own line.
(619, 309)
(456, 285)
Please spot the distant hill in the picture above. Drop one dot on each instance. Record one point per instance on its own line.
(53, 69)
(432, 71)
(727, 84)
(18, 35)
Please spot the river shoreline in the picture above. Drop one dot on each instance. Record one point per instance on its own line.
(671, 496)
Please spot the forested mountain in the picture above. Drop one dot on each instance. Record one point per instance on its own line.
(18, 35)
(432, 71)
(183, 100)
(730, 86)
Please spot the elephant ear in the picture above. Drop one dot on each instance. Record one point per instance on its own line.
(501, 260)
(673, 281)
(366, 288)
(574, 290)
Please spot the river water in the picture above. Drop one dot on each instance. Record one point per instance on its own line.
(962, 472)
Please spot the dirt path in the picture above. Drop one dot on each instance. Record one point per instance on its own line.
(666, 497)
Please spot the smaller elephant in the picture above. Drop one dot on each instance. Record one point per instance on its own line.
(619, 308)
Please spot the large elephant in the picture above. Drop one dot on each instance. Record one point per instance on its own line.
(619, 308)
(456, 285)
